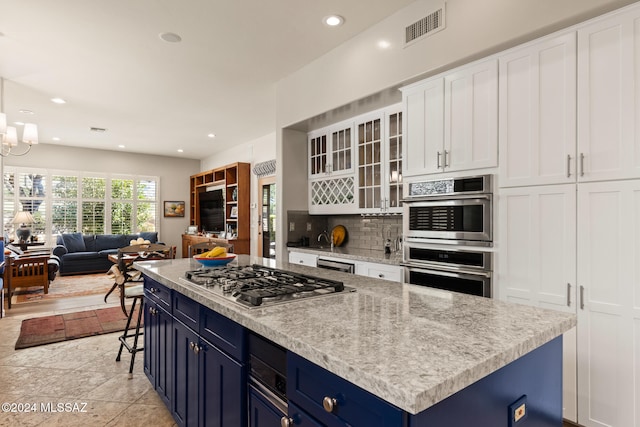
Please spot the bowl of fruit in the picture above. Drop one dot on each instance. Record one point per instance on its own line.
(215, 257)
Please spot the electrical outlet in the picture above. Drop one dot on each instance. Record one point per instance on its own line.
(308, 226)
(292, 226)
(518, 411)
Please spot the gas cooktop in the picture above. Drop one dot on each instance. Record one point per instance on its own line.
(257, 286)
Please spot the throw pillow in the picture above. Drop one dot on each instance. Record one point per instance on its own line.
(74, 242)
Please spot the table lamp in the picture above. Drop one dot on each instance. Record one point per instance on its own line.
(23, 232)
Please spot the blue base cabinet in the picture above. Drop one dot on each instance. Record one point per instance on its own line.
(309, 385)
(262, 413)
(195, 359)
(158, 358)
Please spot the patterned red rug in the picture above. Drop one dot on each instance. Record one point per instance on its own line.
(64, 327)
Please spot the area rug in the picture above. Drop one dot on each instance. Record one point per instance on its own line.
(70, 326)
(66, 286)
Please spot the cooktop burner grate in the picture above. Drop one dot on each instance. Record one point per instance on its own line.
(257, 285)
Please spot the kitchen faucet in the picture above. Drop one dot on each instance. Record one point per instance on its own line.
(326, 237)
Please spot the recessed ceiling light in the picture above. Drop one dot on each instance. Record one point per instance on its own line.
(180, 150)
(55, 138)
(333, 20)
(58, 101)
(23, 111)
(383, 44)
(170, 37)
(211, 135)
(120, 146)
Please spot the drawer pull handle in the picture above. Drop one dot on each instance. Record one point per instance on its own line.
(286, 422)
(329, 403)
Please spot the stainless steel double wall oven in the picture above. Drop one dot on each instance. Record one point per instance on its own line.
(447, 227)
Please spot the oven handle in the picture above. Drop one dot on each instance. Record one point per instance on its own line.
(452, 197)
(457, 273)
(268, 395)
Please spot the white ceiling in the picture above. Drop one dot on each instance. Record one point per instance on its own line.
(105, 58)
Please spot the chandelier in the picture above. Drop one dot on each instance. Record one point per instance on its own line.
(9, 134)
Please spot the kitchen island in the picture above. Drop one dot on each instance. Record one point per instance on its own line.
(432, 355)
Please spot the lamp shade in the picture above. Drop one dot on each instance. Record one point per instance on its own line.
(23, 217)
(3, 123)
(30, 133)
(11, 137)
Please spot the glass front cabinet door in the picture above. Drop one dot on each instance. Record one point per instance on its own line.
(379, 151)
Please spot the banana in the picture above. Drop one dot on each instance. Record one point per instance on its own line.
(215, 252)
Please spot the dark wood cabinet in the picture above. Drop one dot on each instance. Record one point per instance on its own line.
(236, 181)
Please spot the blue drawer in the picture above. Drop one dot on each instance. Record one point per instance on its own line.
(224, 333)
(160, 294)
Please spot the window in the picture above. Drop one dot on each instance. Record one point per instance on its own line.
(64, 202)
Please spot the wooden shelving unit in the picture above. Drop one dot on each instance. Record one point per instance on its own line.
(236, 179)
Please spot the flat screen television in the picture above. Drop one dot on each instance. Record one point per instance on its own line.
(211, 210)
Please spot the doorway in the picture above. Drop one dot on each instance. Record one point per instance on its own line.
(267, 217)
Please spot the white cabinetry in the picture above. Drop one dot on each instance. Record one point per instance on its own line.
(609, 97)
(331, 170)
(609, 299)
(451, 121)
(379, 161)
(380, 271)
(303, 258)
(537, 260)
(537, 113)
(423, 126)
(471, 117)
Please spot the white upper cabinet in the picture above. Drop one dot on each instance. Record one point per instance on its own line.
(451, 121)
(331, 151)
(423, 127)
(609, 98)
(379, 161)
(471, 118)
(537, 114)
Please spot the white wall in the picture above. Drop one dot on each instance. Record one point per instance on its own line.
(358, 68)
(173, 172)
(256, 151)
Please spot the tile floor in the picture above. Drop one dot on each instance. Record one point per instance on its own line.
(74, 373)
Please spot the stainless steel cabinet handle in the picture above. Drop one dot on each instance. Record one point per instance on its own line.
(568, 166)
(329, 403)
(438, 164)
(568, 294)
(192, 345)
(196, 349)
(153, 290)
(581, 164)
(286, 422)
(446, 154)
(581, 297)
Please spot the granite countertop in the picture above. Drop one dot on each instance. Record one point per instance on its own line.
(410, 345)
(369, 255)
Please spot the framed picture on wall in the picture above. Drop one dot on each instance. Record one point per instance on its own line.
(173, 209)
(234, 212)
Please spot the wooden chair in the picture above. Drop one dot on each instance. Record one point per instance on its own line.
(129, 283)
(26, 271)
(198, 248)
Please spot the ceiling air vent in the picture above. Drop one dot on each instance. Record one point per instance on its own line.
(430, 24)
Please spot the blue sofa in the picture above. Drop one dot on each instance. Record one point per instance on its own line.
(88, 253)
